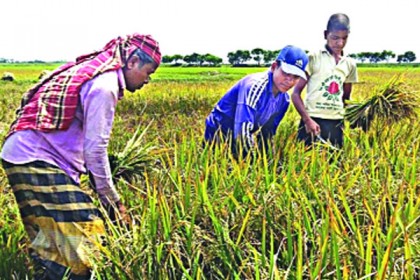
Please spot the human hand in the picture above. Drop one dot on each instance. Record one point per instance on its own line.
(312, 127)
(118, 212)
(123, 213)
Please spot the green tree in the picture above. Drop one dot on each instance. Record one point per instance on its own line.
(375, 57)
(408, 56)
(354, 56)
(387, 55)
(363, 56)
(239, 57)
(177, 57)
(244, 56)
(258, 55)
(212, 59)
(167, 59)
(232, 58)
(270, 56)
(194, 58)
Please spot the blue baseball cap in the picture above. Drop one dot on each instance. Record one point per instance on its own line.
(293, 61)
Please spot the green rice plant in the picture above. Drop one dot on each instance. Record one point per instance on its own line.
(13, 259)
(293, 213)
(135, 159)
(389, 104)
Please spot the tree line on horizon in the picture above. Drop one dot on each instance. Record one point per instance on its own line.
(260, 57)
(256, 56)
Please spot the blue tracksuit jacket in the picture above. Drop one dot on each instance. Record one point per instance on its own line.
(248, 107)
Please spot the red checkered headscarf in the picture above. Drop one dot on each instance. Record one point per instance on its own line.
(51, 104)
(126, 46)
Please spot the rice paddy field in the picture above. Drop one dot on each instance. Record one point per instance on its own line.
(293, 213)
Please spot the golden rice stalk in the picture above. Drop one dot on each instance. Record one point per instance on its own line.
(389, 104)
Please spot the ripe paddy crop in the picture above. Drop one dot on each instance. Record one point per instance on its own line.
(291, 214)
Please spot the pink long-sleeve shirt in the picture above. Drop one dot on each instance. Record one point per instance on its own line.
(84, 144)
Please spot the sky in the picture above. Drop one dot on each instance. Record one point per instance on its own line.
(53, 30)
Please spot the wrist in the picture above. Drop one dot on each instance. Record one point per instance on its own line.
(118, 204)
(306, 119)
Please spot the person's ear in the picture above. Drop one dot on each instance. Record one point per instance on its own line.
(325, 34)
(133, 61)
(273, 66)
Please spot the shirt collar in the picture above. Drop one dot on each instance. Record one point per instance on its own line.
(328, 50)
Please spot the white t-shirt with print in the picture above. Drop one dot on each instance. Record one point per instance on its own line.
(324, 94)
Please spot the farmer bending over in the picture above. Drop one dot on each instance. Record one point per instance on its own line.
(62, 129)
(256, 104)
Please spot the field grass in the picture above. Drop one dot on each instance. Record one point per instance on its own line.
(292, 214)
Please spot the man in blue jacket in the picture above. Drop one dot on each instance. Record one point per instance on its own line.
(256, 104)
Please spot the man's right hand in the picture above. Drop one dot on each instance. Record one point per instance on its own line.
(312, 127)
(123, 212)
(121, 215)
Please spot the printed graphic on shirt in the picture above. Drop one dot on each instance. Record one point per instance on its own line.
(331, 93)
(331, 88)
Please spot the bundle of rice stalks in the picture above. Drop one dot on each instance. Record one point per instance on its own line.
(390, 104)
(135, 159)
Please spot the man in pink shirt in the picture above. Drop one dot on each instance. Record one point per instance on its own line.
(62, 130)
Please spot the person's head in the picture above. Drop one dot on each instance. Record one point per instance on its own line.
(337, 32)
(138, 69)
(141, 63)
(288, 68)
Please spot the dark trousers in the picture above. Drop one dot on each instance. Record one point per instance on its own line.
(331, 130)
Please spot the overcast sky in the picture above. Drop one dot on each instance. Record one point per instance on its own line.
(64, 29)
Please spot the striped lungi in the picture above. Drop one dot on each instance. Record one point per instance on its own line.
(64, 226)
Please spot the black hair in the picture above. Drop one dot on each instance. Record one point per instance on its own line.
(338, 22)
(144, 57)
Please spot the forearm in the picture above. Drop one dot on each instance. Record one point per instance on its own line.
(300, 106)
(310, 125)
(96, 159)
(297, 100)
(347, 87)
